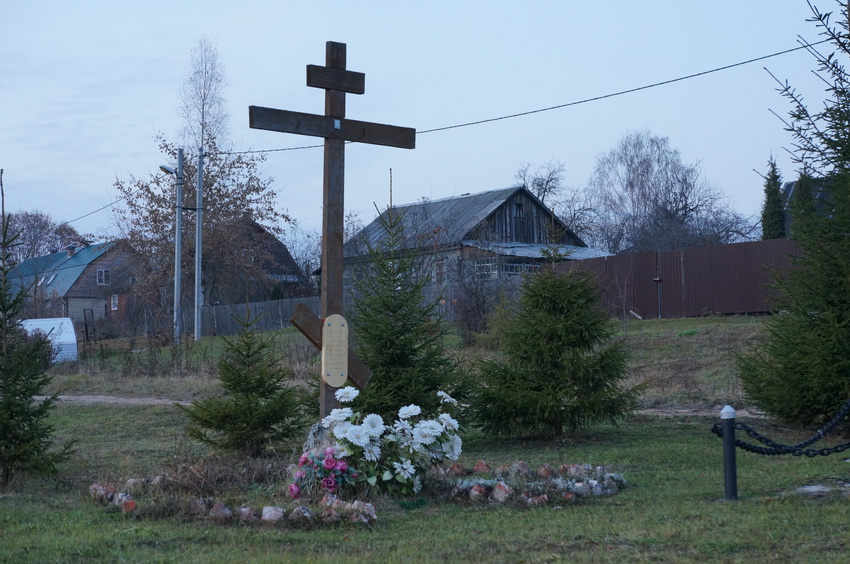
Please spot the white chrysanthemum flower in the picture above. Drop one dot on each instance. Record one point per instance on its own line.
(374, 424)
(372, 451)
(436, 452)
(405, 440)
(340, 429)
(421, 437)
(337, 415)
(404, 469)
(449, 422)
(446, 398)
(417, 484)
(409, 411)
(346, 394)
(431, 427)
(341, 450)
(357, 435)
(453, 447)
(402, 426)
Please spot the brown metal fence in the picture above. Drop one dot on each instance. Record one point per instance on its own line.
(718, 279)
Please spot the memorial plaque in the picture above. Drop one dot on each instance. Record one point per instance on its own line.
(335, 350)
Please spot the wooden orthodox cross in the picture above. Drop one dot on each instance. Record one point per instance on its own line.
(336, 130)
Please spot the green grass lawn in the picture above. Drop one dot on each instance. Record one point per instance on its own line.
(672, 511)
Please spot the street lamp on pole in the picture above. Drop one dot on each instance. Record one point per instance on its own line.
(198, 220)
(178, 240)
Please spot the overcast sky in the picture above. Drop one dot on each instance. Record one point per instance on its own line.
(85, 87)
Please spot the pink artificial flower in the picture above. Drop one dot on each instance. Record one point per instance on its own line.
(329, 452)
(294, 490)
(303, 460)
(329, 463)
(341, 465)
(329, 484)
(300, 474)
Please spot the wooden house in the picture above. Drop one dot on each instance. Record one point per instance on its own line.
(88, 284)
(491, 235)
(286, 277)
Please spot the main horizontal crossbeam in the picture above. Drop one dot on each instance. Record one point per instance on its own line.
(330, 127)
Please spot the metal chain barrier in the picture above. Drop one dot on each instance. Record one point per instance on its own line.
(772, 448)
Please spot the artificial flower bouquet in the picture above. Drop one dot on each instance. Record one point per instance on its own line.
(392, 457)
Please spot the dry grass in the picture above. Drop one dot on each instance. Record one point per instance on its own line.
(689, 362)
(671, 512)
(183, 374)
(685, 363)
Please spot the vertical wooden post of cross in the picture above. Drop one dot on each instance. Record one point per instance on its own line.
(333, 216)
(336, 130)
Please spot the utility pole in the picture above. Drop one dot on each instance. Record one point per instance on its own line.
(178, 247)
(178, 241)
(199, 206)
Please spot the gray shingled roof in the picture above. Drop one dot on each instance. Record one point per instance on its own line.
(450, 220)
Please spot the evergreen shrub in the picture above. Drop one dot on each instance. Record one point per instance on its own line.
(259, 407)
(561, 369)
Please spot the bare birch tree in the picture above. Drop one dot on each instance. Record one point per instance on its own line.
(239, 203)
(545, 181)
(648, 199)
(202, 96)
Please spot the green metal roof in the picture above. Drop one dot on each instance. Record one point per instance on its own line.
(57, 272)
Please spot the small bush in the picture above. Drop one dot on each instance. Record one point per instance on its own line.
(258, 409)
(561, 369)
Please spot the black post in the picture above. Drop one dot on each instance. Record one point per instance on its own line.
(730, 470)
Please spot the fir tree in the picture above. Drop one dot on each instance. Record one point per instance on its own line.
(801, 374)
(26, 436)
(258, 408)
(561, 369)
(773, 211)
(397, 334)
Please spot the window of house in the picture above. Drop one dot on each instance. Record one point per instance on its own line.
(440, 270)
(104, 277)
(114, 302)
(518, 267)
(486, 268)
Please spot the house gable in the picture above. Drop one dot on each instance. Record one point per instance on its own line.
(281, 267)
(522, 218)
(505, 215)
(106, 274)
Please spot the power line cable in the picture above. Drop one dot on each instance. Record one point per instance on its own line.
(622, 92)
(805, 45)
(109, 205)
(577, 102)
